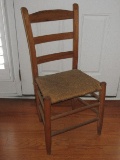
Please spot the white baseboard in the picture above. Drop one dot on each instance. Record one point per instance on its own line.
(33, 97)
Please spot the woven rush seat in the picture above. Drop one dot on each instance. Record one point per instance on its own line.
(66, 85)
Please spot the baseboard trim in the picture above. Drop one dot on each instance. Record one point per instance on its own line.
(33, 97)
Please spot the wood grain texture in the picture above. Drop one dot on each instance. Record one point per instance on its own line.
(30, 40)
(76, 34)
(22, 135)
(49, 15)
(53, 37)
(54, 56)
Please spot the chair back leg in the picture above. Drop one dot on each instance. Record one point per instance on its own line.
(101, 107)
(47, 126)
(37, 103)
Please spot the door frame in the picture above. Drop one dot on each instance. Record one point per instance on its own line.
(11, 87)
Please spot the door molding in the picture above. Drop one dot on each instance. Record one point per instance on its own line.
(12, 85)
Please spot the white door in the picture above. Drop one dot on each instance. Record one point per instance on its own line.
(10, 84)
(99, 40)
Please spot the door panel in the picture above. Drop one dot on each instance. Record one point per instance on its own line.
(99, 39)
(93, 34)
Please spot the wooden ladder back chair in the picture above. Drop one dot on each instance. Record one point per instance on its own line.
(51, 89)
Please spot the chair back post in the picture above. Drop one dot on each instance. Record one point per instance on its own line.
(76, 35)
(30, 40)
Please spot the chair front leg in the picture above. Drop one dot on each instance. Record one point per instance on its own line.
(101, 107)
(47, 126)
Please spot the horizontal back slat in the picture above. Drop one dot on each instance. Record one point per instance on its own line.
(53, 37)
(50, 15)
(55, 56)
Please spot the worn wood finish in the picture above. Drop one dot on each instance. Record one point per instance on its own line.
(95, 95)
(54, 56)
(76, 33)
(41, 114)
(37, 103)
(47, 126)
(50, 15)
(101, 107)
(30, 41)
(41, 99)
(53, 37)
(54, 133)
(86, 103)
(22, 138)
(88, 106)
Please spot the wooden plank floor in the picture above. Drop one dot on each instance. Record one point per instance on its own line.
(22, 135)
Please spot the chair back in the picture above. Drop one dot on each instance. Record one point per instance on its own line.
(45, 16)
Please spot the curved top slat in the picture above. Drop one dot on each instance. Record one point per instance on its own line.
(50, 15)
